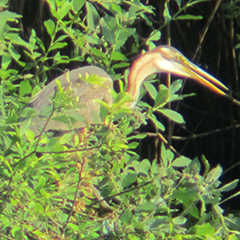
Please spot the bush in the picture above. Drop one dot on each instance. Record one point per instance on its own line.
(90, 184)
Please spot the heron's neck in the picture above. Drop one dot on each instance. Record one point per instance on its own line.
(142, 68)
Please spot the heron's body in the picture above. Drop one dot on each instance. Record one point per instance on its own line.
(83, 90)
(161, 59)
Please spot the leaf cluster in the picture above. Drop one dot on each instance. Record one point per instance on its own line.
(89, 183)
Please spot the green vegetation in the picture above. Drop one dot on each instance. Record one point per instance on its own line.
(92, 185)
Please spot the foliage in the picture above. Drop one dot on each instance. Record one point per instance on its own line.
(90, 184)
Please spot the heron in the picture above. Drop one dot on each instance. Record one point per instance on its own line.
(162, 59)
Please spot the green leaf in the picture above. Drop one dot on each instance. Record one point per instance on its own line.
(108, 24)
(158, 124)
(122, 36)
(125, 33)
(28, 133)
(195, 166)
(180, 220)
(14, 53)
(185, 195)
(166, 155)
(25, 88)
(50, 26)
(92, 16)
(39, 208)
(154, 167)
(78, 4)
(173, 115)
(5, 220)
(8, 16)
(6, 60)
(57, 45)
(64, 9)
(126, 216)
(229, 186)
(162, 96)
(133, 145)
(120, 65)
(117, 56)
(151, 89)
(116, 8)
(138, 136)
(189, 17)
(16, 40)
(73, 226)
(158, 222)
(193, 210)
(179, 2)
(141, 167)
(14, 230)
(129, 179)
(206, 165)
(181, 162)
(166, 14)
(61, 38)
(214, 174)
(66, 138)
(3, 3)
(7, 163)
(203, 230)
(175, 86)
(146, 207)
(155, 36)
(98, 53)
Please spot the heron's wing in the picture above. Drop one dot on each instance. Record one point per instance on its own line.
(84, 111)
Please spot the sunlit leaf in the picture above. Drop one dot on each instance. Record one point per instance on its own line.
(129, 179)
(161, 97)
(92, 16)
(189, 17)
(214, 174)
(158, 124)
(229, 186)
(175, 86)
(181, 162)
(78, 4)
(151, 89)
(126, 216)
(50, 26)
(202, 230)
(25, 88)
(173, 115)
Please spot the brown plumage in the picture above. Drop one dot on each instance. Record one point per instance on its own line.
(161, 59)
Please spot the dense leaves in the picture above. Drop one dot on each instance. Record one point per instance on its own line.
(90, 183)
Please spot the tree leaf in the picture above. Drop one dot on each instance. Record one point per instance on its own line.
(181, 162)
(129, 179)
(173, 115)
(175, 86)
(151, 89)
(50, 26)
(162, 96)
(92, 16)
(25, 88)
(78, 4)
(229, 186)
(189, 17)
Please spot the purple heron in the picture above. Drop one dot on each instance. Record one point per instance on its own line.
(161, 59)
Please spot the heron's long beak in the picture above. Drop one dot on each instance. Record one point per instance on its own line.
(177, 64)
(203, 77)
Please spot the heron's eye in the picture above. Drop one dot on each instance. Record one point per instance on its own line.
(180, 58)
